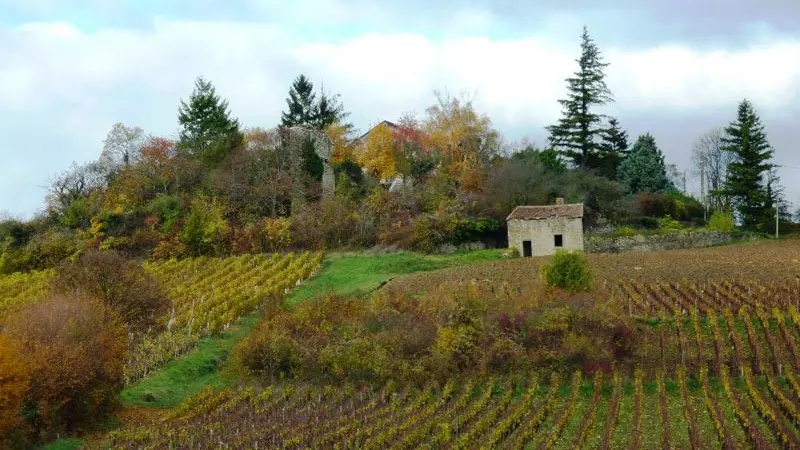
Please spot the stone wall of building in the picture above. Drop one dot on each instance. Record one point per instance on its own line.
(656, 242)
(542, 233)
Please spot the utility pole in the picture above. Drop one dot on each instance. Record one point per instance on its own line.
(777, 210)
(703, 188)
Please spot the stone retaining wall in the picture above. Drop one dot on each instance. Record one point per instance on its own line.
(656, 242)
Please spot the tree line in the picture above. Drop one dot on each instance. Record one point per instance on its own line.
(220, 188)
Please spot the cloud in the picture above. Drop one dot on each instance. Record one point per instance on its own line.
(57, 80)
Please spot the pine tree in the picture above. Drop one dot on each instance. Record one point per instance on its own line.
(747, 175)
(577, 132)
(329, 110)
(643, 170)
(208, 133)
(301, 102)
(613, 148)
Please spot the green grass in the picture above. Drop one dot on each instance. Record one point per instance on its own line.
(63, 444)
(189, 374)
(360, 274)
(342, 274)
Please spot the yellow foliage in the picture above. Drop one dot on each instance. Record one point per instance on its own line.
(342, 146)
(463, 138)
(379, 154)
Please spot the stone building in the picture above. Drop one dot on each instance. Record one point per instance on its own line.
(541, 230)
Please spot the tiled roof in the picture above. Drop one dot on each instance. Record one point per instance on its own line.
(546, 212)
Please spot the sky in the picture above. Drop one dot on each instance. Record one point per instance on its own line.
(70, 69)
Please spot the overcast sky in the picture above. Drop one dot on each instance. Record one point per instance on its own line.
(70, 69)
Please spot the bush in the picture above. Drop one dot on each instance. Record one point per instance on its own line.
(205, 229)
(625, 231)
(721, 221)
(119, 283)
(669, 225)
(569, 271)
(15, 375)
(75, 347)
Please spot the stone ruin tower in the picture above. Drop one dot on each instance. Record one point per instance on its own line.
(291, 140)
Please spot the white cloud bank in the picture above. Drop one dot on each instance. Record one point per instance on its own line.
(69, 83)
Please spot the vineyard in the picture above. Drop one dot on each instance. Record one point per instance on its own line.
(207, 294)
(718, 366)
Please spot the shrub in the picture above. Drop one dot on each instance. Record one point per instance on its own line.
(569, 271)
(669, 225)
(75, 347)
(625, 231)
(14, 382)
(205, 228)
(119, 283)
(275, 235)
(721, 221)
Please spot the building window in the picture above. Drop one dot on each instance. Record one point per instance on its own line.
(559, 238)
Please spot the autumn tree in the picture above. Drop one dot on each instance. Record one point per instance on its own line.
(155, 163)
(119, 283)
(257, 182)
(415, 159)
(579, 132)
(464, 140)
(75, 348)
(208, 132)
(378, 154)
(746, 140)
(14, 383)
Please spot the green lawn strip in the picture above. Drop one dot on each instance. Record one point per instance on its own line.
(189, 374)
(359, 273)
(64, 444)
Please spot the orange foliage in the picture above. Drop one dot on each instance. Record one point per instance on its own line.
(14, 383)
(76, 351)
(156, 162)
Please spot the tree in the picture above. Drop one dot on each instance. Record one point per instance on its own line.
(644, 169)
(465, 140)
(155, 163)
(73, 185)
(747, 185)
(329, 111)
(14, 383)
(576, 134)
(119, 283)
(709, 155)
(378, 155)
(302, 107)
(76, 349)
(675, 177)
(121, 147)
(613, 148)
(208, 132)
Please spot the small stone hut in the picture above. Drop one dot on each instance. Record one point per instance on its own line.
(541, 230)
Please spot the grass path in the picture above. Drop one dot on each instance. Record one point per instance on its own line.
(354, 273)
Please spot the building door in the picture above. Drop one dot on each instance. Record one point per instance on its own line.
(527, 249)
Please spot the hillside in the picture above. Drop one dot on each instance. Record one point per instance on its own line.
(711, 360)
